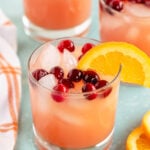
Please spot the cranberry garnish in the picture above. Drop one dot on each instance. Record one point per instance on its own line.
(80, 57)
(39, 73)
(86, 47)
(100, 84)
(116, 4)
(139, 1)
(147, 2)
(106, 92)
(90, 76)
(67, 83)
(75, 75)
(107, 1)
(66, 44)
(88, 87)
(58, 72)
(59, 97)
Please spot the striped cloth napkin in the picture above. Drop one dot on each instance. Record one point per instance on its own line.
(10, 92)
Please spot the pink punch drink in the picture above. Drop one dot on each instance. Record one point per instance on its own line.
(126, 20)
(51, 19)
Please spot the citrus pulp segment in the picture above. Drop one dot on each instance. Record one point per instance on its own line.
(106, 58)
(146, 124)
(137, 140)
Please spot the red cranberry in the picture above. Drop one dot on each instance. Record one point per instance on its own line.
(147, 2)
(116, 4)
(66, 44)
(139, 1)
(58, 72)
(75, 75)
(86, 47)
(39, 73)
(88, 87)
(100, 84)
(67, 83)
(58, 94)
(106, 92)
(80, 57)
(108, 1)
(90, 76)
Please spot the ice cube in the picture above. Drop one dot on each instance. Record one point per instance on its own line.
(70, 118)
(49, 57)
(132, 33)
(48, 81)
(78, 105)
(69, 61)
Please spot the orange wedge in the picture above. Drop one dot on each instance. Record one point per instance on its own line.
(107, 57)
(137, 140)
(146, 124)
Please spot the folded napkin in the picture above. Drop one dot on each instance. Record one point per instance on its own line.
(10, 91)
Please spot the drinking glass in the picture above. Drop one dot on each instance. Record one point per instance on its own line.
(70, 120)
(129, 23)
(50, 19)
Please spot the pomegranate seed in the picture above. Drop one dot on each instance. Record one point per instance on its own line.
(67, 83)
(116, 4)
(39, 73)
(100, 84)
(59, 97)
(58, 72)
(75, 75)
(66, 44)
(86, 47)
(106, 92)
(88, 87)
(90, 77)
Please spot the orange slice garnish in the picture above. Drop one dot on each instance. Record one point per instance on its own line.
(107, 57)
(137, 140)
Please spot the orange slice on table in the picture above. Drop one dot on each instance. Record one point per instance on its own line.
(106, 58)
(146, 124)
(137, 140)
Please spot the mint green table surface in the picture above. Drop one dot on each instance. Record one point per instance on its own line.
(133, 101)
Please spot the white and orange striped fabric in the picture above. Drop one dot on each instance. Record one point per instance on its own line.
(10, 94)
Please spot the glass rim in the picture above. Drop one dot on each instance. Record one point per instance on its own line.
(113, 11)
(30, 76)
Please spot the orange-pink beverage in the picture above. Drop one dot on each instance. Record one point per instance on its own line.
(74, 118)
(50, 19)
(130, 23)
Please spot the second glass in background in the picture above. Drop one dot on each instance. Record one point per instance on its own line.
(127, 21)
(51, 19)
